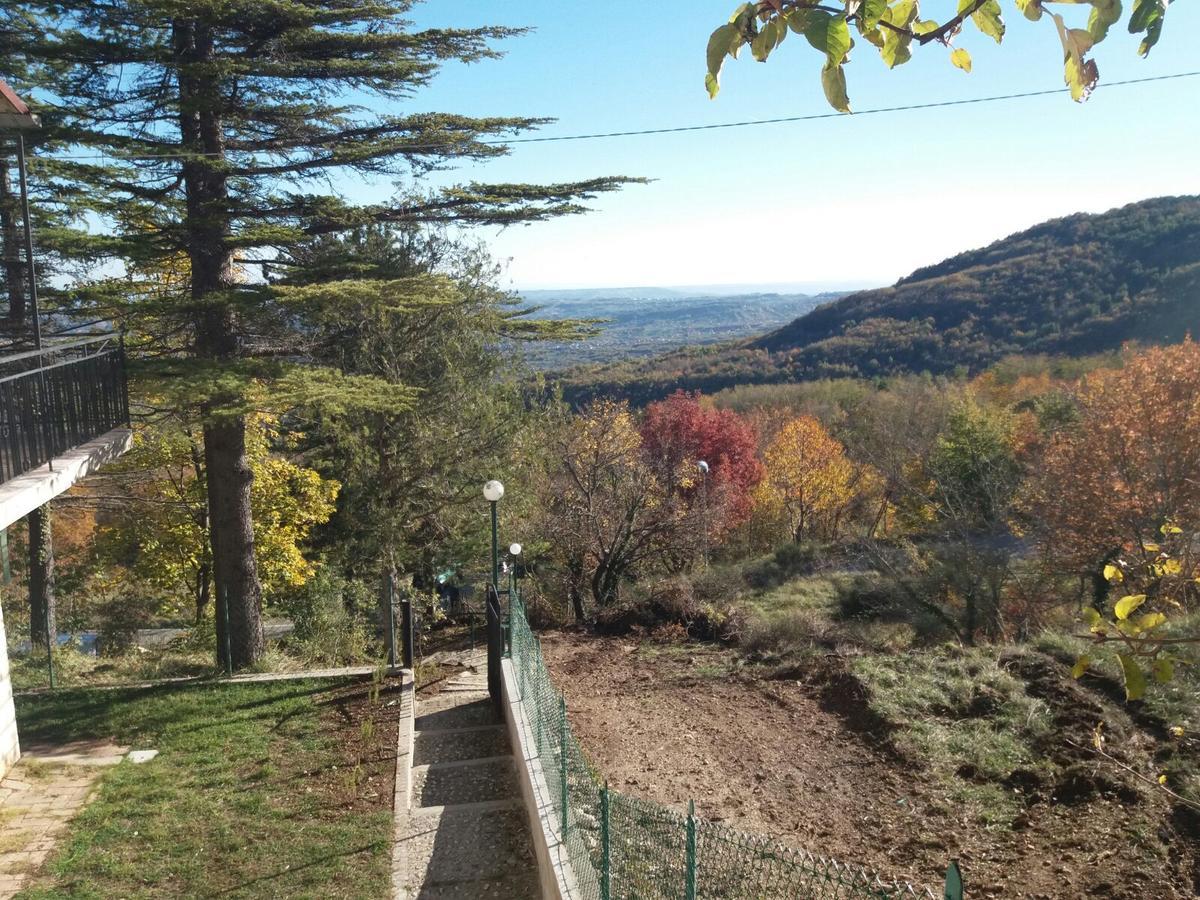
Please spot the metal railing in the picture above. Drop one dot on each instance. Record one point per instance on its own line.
(57, 398)
(624, 848)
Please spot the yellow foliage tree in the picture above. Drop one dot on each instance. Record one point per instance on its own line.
(159, 531)
(809, 481)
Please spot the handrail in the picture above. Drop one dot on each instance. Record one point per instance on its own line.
(58, 348)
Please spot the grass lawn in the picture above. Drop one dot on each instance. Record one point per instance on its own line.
(278, 789)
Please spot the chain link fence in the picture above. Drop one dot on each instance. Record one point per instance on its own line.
(623, 848)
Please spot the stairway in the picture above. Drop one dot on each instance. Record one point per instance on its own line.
(463, 832)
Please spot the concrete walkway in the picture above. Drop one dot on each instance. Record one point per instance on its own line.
(461, 830)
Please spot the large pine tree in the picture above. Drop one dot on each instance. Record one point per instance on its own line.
(208, 138)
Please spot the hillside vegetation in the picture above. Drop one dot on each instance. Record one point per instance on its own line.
(1078, 285)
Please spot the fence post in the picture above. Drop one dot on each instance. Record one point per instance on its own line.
(954, 884)
(562, 760)
(495, 644)
(408, 654)
(388, 589)
(605, 852)
(690, 890)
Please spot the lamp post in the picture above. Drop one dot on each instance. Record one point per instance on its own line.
(703, 467)
(492, 492)
(514, 550)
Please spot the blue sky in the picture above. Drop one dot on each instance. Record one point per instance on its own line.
(844, 201)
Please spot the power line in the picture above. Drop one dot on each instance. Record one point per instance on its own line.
(679, 129)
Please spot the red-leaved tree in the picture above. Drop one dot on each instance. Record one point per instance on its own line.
(681, 431)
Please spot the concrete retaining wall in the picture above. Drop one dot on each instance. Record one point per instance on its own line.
(554, 867)
(9, 747)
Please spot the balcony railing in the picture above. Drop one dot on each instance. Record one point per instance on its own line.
(58, 398)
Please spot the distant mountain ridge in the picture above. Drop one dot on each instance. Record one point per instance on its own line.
(1076, 285)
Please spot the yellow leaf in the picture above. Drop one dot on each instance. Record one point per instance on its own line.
(1169, 528)
(962, 59)
(1162, 779)
(1150, 620)
(1172, 567)
(1081, 666)
(1150, 547)
(1113, 573)
(1135, 681)
(1177, 730)
(1128, 604)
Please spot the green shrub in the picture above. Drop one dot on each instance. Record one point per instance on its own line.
(787, 562)
(330, 614)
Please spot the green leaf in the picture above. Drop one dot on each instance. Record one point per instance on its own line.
(895, 50)
(1128, 604)
(830, 35)
(1032, 9)
(962, 59)
(1104, 14)
(1081, 666)
(869, 14)
(799, 19)
(1145, 14)
(768, 39)
(902, 14)
(720, 44)
(1135, 681)
(924, 26)
(833, 80)
(1163, 669)
(1093, 619)
(988, 20)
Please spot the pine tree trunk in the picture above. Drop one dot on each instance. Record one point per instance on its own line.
(208, 228)
(234, 569)
(41, 577)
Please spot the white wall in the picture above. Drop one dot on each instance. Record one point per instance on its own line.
(9, 749)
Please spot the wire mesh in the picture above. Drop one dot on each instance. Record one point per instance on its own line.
(646, 851)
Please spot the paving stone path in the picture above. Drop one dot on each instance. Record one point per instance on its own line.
(41, 794)
(461, 828)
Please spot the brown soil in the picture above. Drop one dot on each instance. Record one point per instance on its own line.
(807, 762)
(362, 720)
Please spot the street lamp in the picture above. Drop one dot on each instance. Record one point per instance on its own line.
(514, 550)
(703, 467)
(492, 492)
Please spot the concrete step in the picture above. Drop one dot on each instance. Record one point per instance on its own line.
(466, 781)
(433, 747)
(468, 851)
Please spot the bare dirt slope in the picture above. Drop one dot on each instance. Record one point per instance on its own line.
(808, 765)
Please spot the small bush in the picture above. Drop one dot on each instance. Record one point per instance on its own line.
(119, 619)
(789, 633)
(674, 601)
(330, 613)
(787, 562)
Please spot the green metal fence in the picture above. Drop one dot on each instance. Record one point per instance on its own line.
(622, 848)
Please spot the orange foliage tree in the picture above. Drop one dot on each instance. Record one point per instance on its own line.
(808, 481)
(1118, 488)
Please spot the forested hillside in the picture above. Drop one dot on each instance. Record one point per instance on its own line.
(1077, 285)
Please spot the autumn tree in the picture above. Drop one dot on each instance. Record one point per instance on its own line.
(608, 507)
(680, 432)
(807, 479)
(216, 130)
(1129, 465)
(897, 28)
(155, 523)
